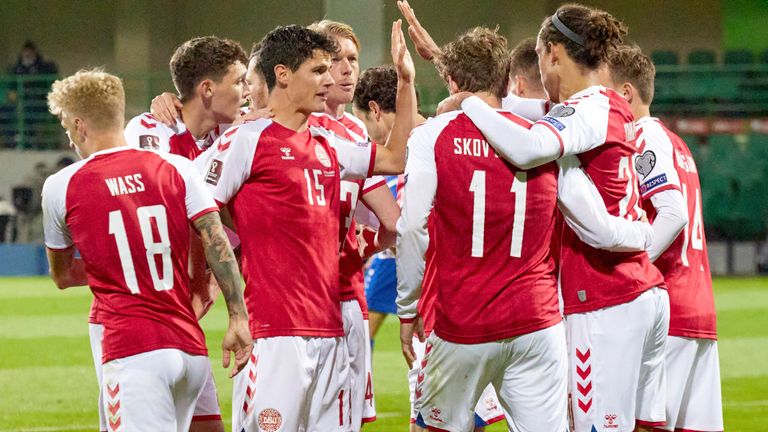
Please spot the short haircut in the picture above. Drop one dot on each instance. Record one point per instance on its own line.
(378, 84)
(524, 60)
(207, 57)
(601, 33)
(92, 95)
(629, 64)
(290, 46)
(478, 60)
(335, 28)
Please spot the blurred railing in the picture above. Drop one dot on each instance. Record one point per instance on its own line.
(25, 122)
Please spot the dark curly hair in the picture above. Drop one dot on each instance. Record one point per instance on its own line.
(378, 84)
(602, 33)
(289, 46)
(207, 57)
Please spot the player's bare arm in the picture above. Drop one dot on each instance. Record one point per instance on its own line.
(221, 259)
(66, 270)
(166, 108)
(383, 205)
(390, 159)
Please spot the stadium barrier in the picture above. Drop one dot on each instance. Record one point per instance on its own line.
(23, 260)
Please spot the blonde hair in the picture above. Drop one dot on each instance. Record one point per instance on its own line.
(335, 28)
(478, 60)
(91, 94)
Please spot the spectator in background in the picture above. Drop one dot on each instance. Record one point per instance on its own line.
(7, 221)
(64, 162)
(32, 92)
(27, 199)
(8, 119)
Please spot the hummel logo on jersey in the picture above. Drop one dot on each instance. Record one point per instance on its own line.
(286, 153)
(610, 421)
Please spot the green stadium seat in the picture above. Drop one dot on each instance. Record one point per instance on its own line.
(702, 57)
(738, 57)
(665, 57)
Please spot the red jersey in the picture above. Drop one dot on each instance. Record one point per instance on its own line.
(426, 305)
(666, 163)
(351, 278)
(493, 228)
(127, 212)
(143, 131)
(282, 188)
(598, 123)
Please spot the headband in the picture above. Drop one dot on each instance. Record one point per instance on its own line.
(570, 34)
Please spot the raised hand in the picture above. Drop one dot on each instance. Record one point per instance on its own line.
(425, 45)
(401, 57)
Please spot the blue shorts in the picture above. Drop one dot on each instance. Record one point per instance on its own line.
(381, 285)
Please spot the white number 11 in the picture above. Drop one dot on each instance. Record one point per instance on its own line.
(477, 186)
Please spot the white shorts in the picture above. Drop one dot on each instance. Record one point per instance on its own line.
(616, 363)
(207, 406)
(96, 334)
(487, 408)
(529, 373)
(293, 383)
(359, 347)
(153, 391)
(694, 401)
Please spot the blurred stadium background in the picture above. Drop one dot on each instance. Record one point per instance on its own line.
(711, 87)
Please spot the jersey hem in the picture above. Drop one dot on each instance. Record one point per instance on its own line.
(494, 420)
(312, 333)
(59, 249)
(347, 296)
(374, 186)
(211, 417)
(486, 338)
(650, 423)
(613, 301)
(693, 334)
(369, 419)
(115, 355)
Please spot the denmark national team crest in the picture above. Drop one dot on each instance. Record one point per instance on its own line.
(322, 156)
(270, 420)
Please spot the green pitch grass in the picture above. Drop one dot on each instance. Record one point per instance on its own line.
(47, 380)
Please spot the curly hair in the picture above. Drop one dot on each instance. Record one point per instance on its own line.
(478, 60)
(207, 57)
(629, 64)
(91, 94)
(601, 32)
(378, 84)
(289, 46)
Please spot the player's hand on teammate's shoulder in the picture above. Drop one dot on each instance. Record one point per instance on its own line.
(264, 113)
(239, 341)
(452, 102)
(166, 108)
(425, 45)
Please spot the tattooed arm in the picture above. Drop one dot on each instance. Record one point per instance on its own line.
(221, 260)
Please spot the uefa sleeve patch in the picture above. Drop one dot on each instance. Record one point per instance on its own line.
(645, 163)
(214, 172)
(653, 183)
(149, 142)
(554, 122)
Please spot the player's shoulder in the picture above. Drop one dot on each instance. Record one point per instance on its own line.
(652, 133)
(248, 131)
(350, 119)
(146, 122)
(439, 122)
(61, 178)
